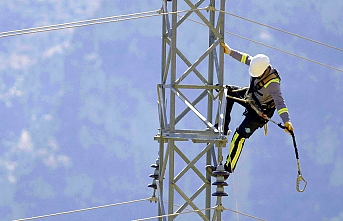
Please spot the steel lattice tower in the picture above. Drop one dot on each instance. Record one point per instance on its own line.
(187, 91)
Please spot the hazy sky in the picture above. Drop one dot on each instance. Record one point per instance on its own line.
(78, 110)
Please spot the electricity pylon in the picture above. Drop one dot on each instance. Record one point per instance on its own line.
(188, 91)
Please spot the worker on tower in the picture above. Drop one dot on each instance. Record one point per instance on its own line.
(265, 95)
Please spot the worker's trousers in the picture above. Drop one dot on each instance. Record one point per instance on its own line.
(249, 125)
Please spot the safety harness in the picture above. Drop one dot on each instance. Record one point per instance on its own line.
(254, 89)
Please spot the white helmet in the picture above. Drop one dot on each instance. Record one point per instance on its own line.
(258, 64)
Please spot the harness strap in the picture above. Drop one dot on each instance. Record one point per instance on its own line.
(261, 83)
(273, 75)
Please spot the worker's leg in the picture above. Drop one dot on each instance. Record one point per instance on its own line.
(237, 92)
(244, 131)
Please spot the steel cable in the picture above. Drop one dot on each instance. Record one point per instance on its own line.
(82, 210)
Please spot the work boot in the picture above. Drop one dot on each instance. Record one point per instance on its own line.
(210, 169)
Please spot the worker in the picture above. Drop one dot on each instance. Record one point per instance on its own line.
(264, 92)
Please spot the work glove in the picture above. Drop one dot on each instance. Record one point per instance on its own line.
(289, 127)
(227, 49)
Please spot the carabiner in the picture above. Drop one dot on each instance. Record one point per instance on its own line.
(299, 179)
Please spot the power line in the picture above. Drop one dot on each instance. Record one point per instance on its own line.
(283, 31)
(148, 14)
(82, 210)
(283, 51)
(96, 21)
(77, 24)
(275, 48)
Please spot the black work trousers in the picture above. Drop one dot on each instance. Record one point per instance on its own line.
(249, 125)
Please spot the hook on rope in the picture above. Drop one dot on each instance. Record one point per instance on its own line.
(299, 179)
(250, 101)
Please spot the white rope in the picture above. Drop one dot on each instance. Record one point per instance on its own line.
(174, 214)
(283, 31)
(82, 210)
(234, 190)
(283, 51)
(244, 214)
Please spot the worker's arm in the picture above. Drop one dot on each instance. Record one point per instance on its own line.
(239, 56)
(274, 90)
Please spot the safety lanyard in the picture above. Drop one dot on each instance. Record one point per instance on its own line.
(250, 101)
(299, 177)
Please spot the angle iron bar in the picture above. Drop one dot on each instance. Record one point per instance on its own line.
(196, 63)
(160, 202)
(164, 164)
(222, 112)
(166, 70)
(160, 181)
(173, 47)
(193, 197)
(201, 133)
(218, 21)
(171, 196)
(202, 17)
(215, 58)
(164, 50)
(192, 86)
(197, 138)
(195, 102)
(189, 64)
(184, 17)
(214, 159)
(165, 10)
(195, 135)
(185, 100)
(160, 106)
(177, 177)
(185, 197)
(160, 117)
(190, 164)
(222, 32)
